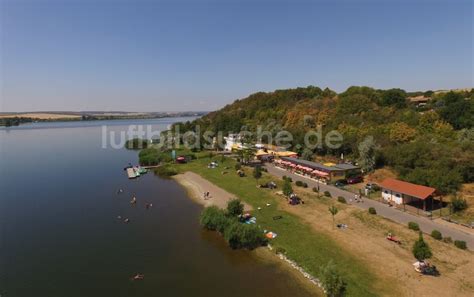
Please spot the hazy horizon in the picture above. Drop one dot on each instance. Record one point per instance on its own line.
(200, 56)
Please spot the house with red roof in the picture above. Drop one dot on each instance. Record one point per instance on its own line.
(401, 192)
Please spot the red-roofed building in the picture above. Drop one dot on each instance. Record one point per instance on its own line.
(401, 192)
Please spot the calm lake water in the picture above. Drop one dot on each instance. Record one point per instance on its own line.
(60, 236)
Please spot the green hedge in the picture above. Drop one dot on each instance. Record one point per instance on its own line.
(341, 199)
(460, 244)
(413, 226)
(436, 235)
(237, 234)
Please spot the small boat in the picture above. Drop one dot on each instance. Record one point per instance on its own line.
(141, 170)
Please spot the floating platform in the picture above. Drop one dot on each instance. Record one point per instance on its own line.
(131, 173)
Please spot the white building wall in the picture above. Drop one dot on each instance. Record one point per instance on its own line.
(230, 141)
(395, 197)
(392, 196)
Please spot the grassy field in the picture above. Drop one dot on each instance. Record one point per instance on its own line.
(302, 244)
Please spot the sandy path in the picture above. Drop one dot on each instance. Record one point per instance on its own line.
(197, 185)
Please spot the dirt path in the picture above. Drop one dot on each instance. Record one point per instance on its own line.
(196, 186)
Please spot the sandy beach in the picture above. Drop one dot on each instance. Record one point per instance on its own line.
(196, 186)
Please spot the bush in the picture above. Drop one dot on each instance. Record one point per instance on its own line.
(244, 236)
(287, 178)
(299, 183)
(421, 249)
(166, 171)
(238, 235)
(341, 199)
(327, 194)
(136, 144)
(413, 226)
(461, 244)
(372, 210)
(305, 185)
(448, 239)
(315, 189)
(213, 218)
(238, 166)
(436, 235)
(331, 281)
(235, 208)
(149, 157)
(458, 204)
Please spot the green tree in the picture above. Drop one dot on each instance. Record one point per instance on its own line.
(333, 210)
(457, 111)
(287, 189)
(213, 218)
(367, 154)
(244, 236)
(307, 154)
(235, 208)
(394, 97)
(332, 282)
(257, 173)
(458, 204)
(421, 249)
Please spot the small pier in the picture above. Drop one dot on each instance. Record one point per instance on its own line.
(151, 167)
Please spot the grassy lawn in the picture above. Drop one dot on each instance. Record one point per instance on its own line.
(301, 243)
(464, 217)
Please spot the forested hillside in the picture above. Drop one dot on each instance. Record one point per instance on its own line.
(430, 145)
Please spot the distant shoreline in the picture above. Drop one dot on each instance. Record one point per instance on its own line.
(16, 119)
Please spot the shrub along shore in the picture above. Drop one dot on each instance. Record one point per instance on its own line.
(298, 242)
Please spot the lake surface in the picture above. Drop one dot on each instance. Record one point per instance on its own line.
(60, 235)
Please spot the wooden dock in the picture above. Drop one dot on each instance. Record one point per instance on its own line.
(151, 167)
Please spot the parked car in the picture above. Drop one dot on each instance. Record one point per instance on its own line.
(355, 180)
(341, 183)
(372, 187)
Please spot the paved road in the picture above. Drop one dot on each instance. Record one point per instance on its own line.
(426, 225)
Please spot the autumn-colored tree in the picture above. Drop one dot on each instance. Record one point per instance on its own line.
(401, 132)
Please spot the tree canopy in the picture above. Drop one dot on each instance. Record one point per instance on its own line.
(430, 145)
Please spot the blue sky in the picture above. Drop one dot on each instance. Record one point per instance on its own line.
(201, 55)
